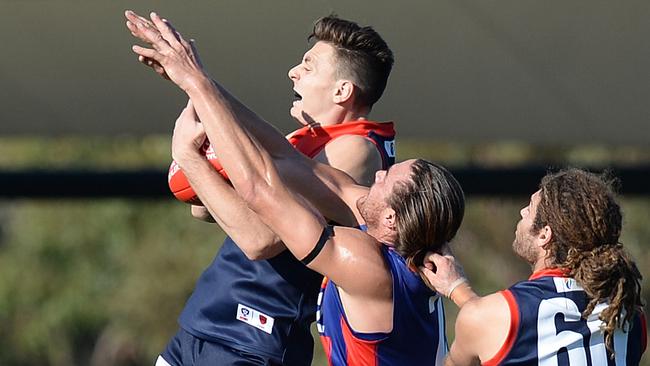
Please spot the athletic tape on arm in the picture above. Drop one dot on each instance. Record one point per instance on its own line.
(327, 233)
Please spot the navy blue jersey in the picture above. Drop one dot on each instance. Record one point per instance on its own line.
(261, 307)
(418, 334)
(547, 327)
(266, 307)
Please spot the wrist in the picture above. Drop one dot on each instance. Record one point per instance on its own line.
(462, 294)
(197, 83)
(454, 285)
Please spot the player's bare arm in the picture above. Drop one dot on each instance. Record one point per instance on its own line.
(145, 30)
(254, 176)
(361, 165)
(350, 257)
(329, 204)
(482, 327)
(222, 204)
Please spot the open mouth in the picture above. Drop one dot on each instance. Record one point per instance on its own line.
(296, 96)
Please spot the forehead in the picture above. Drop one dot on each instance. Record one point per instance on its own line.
(401, 170)
(319, 52)
(535, 198)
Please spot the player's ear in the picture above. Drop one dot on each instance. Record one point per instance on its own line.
(544, 236)
(344, 91)
(388, 217)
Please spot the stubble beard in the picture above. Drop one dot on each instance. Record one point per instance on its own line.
(367, 212)
(522, 246)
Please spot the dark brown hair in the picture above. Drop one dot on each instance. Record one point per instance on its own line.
(429, 209)
(362, 55)
(585, 221)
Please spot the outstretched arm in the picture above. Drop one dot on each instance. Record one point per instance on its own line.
(327, 191)
(221, 201)
(146, 31)
(253, 173)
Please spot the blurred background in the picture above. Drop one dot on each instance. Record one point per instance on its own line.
(99, 279)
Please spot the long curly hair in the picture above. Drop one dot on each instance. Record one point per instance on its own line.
(585, 219)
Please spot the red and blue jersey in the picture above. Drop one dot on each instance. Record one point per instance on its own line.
(547, 327)
(266, 307)
(418, 334)
(310, 140)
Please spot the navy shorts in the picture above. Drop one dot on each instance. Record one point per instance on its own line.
(184, 349)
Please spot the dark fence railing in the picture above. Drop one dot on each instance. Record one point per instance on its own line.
(152, 184)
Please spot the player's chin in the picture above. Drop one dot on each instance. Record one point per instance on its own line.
(297, 114)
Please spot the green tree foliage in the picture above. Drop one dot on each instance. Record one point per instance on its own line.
(96, 281)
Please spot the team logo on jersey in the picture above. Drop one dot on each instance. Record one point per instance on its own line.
(255, 318)
(563, 284)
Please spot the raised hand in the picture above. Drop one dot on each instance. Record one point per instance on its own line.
(189, 134)
(169, 54)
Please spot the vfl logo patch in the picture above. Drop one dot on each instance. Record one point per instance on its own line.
(255, 318)
(566, 285)
(389, 146)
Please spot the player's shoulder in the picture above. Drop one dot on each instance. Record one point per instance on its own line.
(351, 141)
(356, 234)
(492, 308)
(352, 148)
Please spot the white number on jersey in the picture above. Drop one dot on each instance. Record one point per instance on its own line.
(549, 341)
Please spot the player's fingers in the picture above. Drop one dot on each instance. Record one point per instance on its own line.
(438, 260)
(429, 273)
(165, 31)
(155, 65)
(150, 34)
(160, 70)
(136, 23)
(133, 17)
(432, 257)
(147, 53)
(177, 34)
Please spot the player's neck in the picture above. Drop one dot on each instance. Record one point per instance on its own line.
(382, 235)
(343, 115)
(541, 264)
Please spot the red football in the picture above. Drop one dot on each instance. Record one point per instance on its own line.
(178, 183)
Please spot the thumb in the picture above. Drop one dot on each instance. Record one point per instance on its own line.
(427, 270)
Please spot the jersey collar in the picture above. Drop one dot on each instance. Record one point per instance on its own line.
(549, 272)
